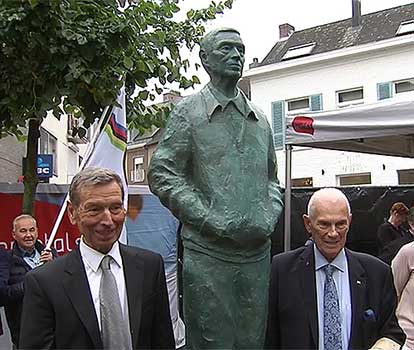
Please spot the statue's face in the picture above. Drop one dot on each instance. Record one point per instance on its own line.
(225, 57)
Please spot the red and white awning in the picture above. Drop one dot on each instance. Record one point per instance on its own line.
(381, 128)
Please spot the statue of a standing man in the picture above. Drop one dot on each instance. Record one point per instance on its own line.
(215, 169)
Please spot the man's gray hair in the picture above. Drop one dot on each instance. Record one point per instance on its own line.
(92, 176)
(21, 217)
(330, 191)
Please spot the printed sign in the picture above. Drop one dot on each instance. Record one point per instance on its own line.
(44, 166)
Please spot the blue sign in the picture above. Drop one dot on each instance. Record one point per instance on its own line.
(44, 166)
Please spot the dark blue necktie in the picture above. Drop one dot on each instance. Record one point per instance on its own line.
(332, 331)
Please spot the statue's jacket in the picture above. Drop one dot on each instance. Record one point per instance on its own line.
(216, 170)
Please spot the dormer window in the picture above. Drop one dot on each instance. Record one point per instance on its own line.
(298, 105)
(406, 27)
(404, 86)
(299, 51)
(346, 98)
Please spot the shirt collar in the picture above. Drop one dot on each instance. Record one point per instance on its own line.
(26, 253)
(214, 100)
(320, 261)
(93, 258)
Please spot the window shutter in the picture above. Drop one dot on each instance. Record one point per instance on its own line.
(278, 123)
(384, 90)
(316, 102)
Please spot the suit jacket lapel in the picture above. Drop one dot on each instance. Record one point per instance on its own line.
(134, 276)
(308, 288)
(357, 282)
(77, 289)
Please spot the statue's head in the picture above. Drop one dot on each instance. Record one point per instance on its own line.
(222, 53)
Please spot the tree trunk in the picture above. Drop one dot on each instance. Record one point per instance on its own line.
(30, 172)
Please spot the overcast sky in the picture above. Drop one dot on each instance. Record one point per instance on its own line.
(258, 21)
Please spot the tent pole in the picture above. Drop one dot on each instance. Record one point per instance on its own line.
(288, 184)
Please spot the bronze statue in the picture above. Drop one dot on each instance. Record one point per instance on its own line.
(215, 169)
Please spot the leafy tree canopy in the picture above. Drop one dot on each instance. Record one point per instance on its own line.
(80, 51)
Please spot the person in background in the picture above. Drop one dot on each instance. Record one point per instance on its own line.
(324, 296)
(151, 226)
(26, 254)
(403, 270)
(391, 235)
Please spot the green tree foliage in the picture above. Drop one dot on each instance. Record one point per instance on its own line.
(77, 54)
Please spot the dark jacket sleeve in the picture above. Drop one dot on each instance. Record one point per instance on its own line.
(15, 292)
(39, 334)
(4, 274)
(12, 271)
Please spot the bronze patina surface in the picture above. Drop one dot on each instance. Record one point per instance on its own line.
(216, 170)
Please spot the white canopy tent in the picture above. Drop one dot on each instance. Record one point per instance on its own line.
(385, 128)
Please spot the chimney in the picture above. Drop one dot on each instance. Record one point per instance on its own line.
(255, 63)
(356, 13)
(285, 31)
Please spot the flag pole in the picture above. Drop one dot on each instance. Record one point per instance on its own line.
(103, 120)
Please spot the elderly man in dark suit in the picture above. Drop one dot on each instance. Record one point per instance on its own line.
(324, 296)
(103, 294)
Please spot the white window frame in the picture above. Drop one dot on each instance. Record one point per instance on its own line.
(402, 93)
(298, 110)
(342, 176)
(299, 51)
(401, 172)
(351, 102)
(138, 171)
(308, 181)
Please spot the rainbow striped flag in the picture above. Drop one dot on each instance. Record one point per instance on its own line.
(116, 132)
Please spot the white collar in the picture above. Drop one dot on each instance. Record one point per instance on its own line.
(93, 258)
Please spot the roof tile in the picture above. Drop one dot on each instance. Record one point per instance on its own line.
(374, 27)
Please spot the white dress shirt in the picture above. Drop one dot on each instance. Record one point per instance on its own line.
(341, 279)
(33, 260)
(92, 259)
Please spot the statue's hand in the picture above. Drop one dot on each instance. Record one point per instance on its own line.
(214, 224)
(235, 225)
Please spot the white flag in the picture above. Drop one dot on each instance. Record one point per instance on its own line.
(110, 147)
